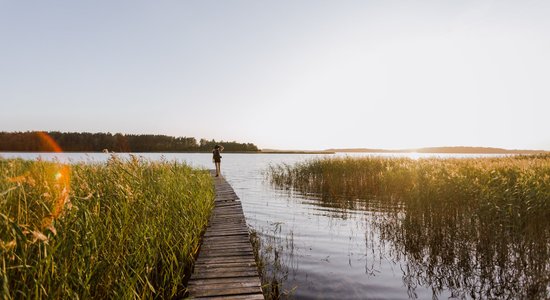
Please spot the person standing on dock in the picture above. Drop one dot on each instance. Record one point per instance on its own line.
(217, 158)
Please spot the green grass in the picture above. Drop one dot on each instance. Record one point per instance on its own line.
(124, 229)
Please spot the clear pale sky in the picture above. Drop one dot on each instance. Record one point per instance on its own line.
(282, 74)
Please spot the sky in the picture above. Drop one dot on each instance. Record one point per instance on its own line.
(290, 74)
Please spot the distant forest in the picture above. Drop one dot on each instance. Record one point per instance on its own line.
(30, 141)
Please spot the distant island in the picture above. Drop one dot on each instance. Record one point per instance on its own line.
(455, 149)
(31, 141)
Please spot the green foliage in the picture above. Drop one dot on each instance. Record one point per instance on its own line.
(124, 229)
(97, 142)
(208, 145)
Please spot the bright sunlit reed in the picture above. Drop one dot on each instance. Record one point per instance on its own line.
(124, 229)
(506, 186)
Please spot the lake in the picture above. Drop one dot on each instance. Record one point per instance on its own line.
(318, 250)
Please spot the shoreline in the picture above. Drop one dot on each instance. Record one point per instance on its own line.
(511, 152)
(187, 152)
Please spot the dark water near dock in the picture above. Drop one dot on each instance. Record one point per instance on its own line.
(360, 250)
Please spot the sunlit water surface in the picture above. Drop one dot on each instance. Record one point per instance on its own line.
(314, 250)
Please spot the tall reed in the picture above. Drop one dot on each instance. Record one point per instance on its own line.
(506, 187)
(124, 229)
(477, 227)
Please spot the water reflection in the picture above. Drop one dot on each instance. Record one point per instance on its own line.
(470, 257)
(277, 260)
(452, 252)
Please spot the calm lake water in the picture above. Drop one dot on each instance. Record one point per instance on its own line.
(318, 251)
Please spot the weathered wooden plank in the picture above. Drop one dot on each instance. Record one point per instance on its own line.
(222, 254)
(227, 220)
(225, 233)
(224, 260)
(226, 196)
(242, 254)
(219, 239)
(229, 208)
(237, 264)
(225, 267)
(227, 248)
(225, 240)
(228, 231)
(225, 216)
(226, 291)
(228, 227)
(228, 244)
(223, 250)
(215, 233)
(221, 257)
(236, 297)
(229, 259)
(211, 289)
(224, 274)
(221, 232)
(221, 219)
(234, 211)
(229, 224)
(251, 279)
(229, 212)
(229, 234)
(220, 251)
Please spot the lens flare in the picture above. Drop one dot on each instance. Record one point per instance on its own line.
(48, 142)
(61, 175)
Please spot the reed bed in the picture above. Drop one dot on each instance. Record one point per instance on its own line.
(506, 187)
(125, 229)
(477, 227)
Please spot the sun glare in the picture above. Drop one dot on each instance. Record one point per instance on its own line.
(414, 155)
(61, 176)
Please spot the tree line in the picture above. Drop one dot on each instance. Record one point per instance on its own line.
(31, 141)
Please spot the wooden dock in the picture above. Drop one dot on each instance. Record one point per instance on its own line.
(225, 268)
